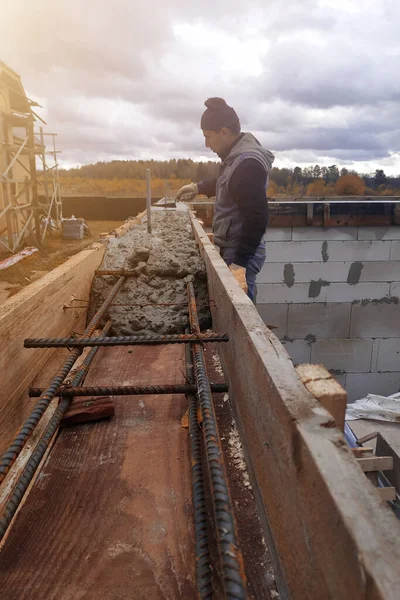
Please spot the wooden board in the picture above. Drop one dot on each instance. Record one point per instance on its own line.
(37, 311)
(321, 384)
(110, 514)
(334, 537)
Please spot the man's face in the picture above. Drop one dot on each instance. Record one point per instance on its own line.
(218, 141)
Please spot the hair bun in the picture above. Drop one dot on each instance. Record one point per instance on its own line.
(217, 103)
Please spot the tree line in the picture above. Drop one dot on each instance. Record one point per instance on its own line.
(311, 181)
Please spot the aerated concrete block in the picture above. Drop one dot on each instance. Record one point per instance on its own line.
(358, 385)
(298, 350)
(275, 293)
(375, 320)
(319, 321)
(275, 314)
(379, 233)
(358, 251)
(287, 252)
(388, 355)
(304, 234)
(395, 251)
(304, 272)
(344, 292)
(278, 234)
(380, 271)
(271, 273)
(395, 289)
(375, 355)
(343, 355)
(329, 271)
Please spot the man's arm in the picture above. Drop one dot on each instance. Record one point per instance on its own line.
(247, 187)
(189, 192)
(207, 187)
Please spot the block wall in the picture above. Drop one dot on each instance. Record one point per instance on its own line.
(334, 295)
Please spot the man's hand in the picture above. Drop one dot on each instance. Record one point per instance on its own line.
(239, 274)
(189, 192)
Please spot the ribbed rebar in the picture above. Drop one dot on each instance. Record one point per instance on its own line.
(229, 551)
(30, 468)
(203, 558)
(123, 340)
(13, 451)
(129, 390)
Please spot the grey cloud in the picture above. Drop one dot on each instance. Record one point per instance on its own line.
(118, 82)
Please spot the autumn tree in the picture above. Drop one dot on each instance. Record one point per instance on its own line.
(272, 191)
(316, 188)
(350, 185)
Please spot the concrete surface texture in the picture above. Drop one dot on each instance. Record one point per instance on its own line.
(154, 297)
(334, 294)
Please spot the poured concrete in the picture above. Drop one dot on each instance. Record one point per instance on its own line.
(163, 262)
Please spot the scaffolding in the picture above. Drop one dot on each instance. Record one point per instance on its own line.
(22, 216)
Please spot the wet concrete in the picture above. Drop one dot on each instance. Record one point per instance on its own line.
(153, 299)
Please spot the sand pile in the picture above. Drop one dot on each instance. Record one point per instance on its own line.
(164, 262)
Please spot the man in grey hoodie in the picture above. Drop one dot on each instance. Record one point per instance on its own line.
(241, 208)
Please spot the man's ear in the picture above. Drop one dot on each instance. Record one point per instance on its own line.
(224, 131)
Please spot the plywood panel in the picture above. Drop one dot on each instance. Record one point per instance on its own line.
(35, 311)
(110, 514)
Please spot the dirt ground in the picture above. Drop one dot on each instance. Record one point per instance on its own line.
(54, 252)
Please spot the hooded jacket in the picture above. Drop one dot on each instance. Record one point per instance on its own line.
(229, 218)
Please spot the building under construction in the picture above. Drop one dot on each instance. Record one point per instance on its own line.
(162, 437)
(21, 147)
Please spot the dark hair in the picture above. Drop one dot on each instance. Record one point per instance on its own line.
(218, 115)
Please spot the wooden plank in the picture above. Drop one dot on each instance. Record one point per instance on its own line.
(390, 432)
(387, 493)
(360, 451)
(110, 515)
(385, 449)
(375, 463)
(333, 536)
(320, 383)
(38, 309)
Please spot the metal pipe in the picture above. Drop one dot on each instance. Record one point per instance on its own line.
(13, 451)
(124, 340)
(228, 547)
(148, 200)
(31, 466)
(203, 557)
(129, 390)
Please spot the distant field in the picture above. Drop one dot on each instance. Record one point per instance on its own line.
(134, 188)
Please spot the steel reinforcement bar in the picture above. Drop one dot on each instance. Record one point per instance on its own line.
(228, 547)
(34, 461)
(130, 390)
(124, 340)
(203, 556)
(13, 451)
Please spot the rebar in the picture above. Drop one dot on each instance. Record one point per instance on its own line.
(13, 451)
(228, 547)
(30, 468)
(203, 558)
(124, 340)
(129, 390)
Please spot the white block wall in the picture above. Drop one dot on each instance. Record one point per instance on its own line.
(335, 296)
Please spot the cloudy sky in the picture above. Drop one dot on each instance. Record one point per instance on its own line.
(317, 81)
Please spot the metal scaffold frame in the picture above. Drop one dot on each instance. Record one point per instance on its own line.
(21, 148)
